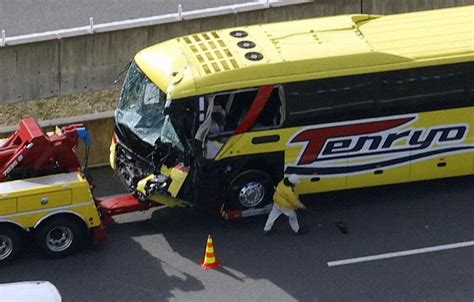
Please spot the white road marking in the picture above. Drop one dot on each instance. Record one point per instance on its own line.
(402, 253)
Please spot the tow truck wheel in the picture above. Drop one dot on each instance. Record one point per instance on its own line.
(250, 189)
(60, 236)
(10, 244)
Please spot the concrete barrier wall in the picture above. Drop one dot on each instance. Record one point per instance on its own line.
(29, 71)
(90, 62)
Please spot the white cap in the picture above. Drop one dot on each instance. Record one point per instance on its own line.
(294, 179)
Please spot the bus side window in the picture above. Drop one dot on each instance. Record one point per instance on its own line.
(239, 108)
(229, 109)
(424, 89)
(273, 114)
(330, 100)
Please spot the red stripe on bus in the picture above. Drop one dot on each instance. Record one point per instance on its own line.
(263, 95)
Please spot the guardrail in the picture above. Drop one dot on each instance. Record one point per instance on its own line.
(180, 15)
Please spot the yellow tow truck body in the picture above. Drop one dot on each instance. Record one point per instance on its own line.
(28, 202)
(57, 211)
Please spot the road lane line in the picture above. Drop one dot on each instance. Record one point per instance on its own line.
(402, 253)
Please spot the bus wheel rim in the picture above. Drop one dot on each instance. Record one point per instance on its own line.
(251, 194)
(59, 239)
(6, 247)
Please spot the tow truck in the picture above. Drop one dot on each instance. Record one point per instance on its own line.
(46, 195)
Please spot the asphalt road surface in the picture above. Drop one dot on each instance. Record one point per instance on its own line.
(19, 17)
(154, 256)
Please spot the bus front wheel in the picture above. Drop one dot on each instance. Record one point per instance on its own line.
(250, 189)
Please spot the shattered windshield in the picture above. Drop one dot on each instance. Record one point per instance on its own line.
(141, 109)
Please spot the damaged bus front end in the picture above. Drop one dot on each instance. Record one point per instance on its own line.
(150, 156)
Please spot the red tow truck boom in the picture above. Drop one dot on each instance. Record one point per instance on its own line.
(30, 152)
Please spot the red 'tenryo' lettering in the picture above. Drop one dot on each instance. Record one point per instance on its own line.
(316, 138)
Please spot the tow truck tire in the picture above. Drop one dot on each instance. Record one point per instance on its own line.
(250, 189)
(60, 236)
(11, 244)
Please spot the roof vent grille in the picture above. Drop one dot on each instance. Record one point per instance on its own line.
(211, 52)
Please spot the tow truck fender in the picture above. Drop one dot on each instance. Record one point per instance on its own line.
(9, 221)
(59, 212)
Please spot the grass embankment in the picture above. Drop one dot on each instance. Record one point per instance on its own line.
(60, 106)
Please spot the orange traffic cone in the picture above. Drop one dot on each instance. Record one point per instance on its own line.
(210, 261)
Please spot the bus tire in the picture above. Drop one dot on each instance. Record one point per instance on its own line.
(11, 243)
(250, 189)
(60, 236)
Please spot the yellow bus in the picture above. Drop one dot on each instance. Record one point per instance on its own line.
(345, 102)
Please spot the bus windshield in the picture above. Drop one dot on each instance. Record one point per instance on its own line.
(141, 109)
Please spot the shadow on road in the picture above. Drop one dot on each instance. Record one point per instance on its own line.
(118, 270)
